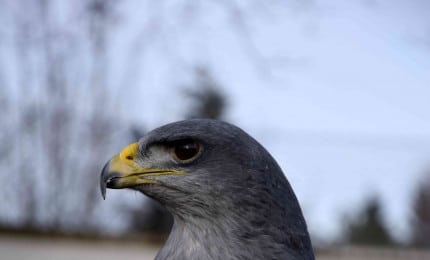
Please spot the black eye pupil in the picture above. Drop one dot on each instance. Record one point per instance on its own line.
(186, 151)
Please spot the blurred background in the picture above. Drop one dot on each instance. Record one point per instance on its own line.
(337, 91)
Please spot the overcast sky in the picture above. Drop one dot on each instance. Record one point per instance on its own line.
(338, 91)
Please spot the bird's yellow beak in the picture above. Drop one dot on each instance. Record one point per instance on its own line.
(122, 171)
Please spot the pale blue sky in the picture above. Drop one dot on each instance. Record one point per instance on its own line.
(337, 91)
(342, 101)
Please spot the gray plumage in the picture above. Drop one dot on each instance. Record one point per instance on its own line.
(233, 203)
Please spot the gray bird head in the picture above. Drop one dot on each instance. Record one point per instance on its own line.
(214, 178)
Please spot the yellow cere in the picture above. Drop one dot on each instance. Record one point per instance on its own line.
(128, 154)
(124, 162)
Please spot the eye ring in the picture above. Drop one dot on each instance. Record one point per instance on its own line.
(186, 151)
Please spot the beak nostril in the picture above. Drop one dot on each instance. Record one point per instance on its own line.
(129, 153)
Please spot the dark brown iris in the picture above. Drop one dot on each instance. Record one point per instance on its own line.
(186, 151)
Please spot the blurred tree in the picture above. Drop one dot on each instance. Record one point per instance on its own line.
(207, 101)
(421, 217)
(59, 131)
(63, 72)
(368, 227)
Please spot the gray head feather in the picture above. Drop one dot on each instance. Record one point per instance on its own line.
(234, 203)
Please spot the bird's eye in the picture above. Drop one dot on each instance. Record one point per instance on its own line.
(186, 151)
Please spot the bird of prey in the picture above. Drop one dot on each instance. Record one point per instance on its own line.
(228, 197)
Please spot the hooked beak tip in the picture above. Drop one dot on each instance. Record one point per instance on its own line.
(103, 180)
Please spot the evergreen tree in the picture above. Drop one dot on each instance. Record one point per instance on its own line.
(421, 218)
(368, 228)
(207, 101)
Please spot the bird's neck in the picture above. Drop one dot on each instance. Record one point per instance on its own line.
(221, 239)
(195, 240)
